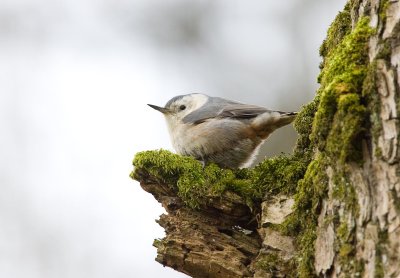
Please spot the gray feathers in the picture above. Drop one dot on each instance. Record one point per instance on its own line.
(217, 107)
(242, 111)
(172, 100)
(226, 142)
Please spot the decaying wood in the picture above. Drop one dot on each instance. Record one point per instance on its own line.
(220, 239)
(217, 240)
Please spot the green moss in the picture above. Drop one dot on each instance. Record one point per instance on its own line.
(359, 268)
(339, 28)
(158, 243)
(311, 189)
(371, 96)
(346, 64)
(303, 126)
(385, 50)
(269, 262)
(272, 264)
(323, 118)
(346, 246)
(278, 175)
(343, 232)
(336, 128)
(344, 71)
(195, 184)
(344, 191)
(380, 251)
(345, 250)
(385, 46)
(383, 6)
(340, 122)
(347, 125)
(164, 165)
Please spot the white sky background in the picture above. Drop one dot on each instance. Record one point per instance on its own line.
(75, 78)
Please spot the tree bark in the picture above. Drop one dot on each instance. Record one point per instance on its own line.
(373, 230)
(339, 214)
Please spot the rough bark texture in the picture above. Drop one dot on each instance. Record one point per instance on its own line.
(332, 209)
(370, 233)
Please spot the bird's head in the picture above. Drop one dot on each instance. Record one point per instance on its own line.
(180, 106)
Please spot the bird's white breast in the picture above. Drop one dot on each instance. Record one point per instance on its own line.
(177, 131)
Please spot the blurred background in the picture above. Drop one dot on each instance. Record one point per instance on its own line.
(75, 78)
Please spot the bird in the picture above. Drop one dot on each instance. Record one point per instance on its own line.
(218, 130)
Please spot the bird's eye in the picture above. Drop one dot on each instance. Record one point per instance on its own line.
(182, 107)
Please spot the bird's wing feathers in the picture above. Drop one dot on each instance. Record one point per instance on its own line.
(222, 108)
(242, 111)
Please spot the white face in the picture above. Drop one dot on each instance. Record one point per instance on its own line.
(179, 109)
(184, 106)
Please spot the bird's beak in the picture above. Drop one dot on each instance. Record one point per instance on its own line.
(161, 109)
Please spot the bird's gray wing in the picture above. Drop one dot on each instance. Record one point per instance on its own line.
(221, 108)
(242, 111)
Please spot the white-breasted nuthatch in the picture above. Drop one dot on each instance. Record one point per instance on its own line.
(213, 129)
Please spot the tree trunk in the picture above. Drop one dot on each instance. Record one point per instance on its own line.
(365, 241)
(332, 208)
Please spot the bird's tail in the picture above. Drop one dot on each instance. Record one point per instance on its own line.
(288, 113)
(285, 119)
(269, 121)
